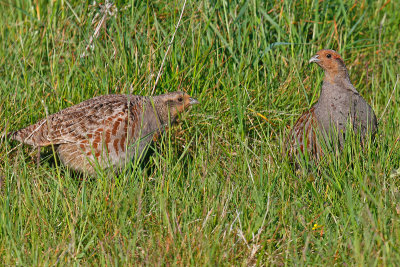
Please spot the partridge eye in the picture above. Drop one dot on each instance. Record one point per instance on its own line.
(180, 99)
(328, 55)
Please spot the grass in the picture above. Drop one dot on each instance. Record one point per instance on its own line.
(217, 190)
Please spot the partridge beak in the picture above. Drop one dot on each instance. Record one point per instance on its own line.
(193, 101)
(314, 59)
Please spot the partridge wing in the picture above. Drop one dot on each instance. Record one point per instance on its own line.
(76, 123)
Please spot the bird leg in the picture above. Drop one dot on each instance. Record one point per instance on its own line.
(38, 156)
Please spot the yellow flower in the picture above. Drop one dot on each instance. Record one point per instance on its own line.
(316, 226)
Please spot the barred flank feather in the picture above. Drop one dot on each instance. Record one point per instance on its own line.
(303, 135)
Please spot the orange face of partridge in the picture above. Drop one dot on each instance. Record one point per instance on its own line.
(330, 61)
(179, 102)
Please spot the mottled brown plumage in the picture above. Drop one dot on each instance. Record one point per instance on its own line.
(109, 130)
(338, 106)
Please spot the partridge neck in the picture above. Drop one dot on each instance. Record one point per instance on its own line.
(338, 74)
(161, 110)
(336, 86)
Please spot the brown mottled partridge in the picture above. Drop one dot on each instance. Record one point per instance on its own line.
(109, 129)
(338, 106)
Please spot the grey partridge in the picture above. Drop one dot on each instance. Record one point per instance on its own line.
(108, 130)
(339, 106)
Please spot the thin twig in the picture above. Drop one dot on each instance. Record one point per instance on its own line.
(169, 46)
(394, 89)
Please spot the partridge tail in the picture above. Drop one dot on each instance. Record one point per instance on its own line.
(34, 135)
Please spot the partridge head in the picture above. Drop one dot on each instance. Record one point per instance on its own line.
(170, 105)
